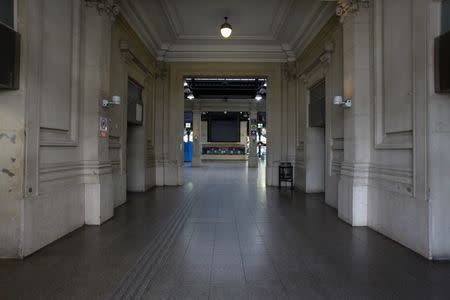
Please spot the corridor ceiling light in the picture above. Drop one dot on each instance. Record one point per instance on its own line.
(191, 96)
(225, 29)
(185, 84)
(258, 97)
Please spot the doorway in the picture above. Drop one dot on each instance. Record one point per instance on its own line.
(225, 121)
(135, 138)
(315, 139)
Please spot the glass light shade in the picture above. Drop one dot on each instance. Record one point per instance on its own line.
(190, 96)
(225, 29)
(258, 97)
(225, 32)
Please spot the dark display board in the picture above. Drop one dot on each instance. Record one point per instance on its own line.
(224, 131)
(223, 127)
(9, 58)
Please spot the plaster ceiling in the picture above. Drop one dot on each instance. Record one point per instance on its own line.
(263, 30)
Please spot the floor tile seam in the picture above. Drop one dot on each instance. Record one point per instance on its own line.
(241, 256)
(273, 262)
(212, 261)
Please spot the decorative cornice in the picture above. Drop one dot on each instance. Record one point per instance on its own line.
(149, 38)
(129, 57)
(161, 70)
(280, 17)
(346, 8)
(172, 17)
(290, 71)
(319, 17)
(325, 58)
(109, 8)
(177, 50)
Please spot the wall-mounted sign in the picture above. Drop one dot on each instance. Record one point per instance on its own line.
(103, 127)
(253, 133)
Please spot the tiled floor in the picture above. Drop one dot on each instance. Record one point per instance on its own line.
(240, 240)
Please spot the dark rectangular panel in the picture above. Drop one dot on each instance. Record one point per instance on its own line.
(7, 12)
(223, 131)
(317, 105)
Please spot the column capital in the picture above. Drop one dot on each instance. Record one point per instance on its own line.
(109, 8)
(348, 8)
(161, 70)
(290, 70)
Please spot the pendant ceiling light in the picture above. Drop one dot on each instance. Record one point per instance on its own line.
(225, 29)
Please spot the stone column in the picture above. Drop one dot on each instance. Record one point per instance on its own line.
(197, 132)
(99, 201)
(253, 155)
(353, 185)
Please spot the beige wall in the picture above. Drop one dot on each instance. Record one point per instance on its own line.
(379, 167)
(63, 175)
(321, 60)
(12, 145)
(137, 63)
(387, 161)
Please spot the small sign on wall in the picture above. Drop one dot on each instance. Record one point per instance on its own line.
(103, 127)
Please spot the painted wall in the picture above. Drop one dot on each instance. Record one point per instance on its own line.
(131, 59)
(12, 144)
(57, 173)
(322, 59)
(438, 148)
(378, 160)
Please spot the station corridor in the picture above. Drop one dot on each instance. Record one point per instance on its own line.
(224, 235)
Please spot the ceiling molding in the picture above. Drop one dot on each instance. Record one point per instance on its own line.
(316, 20)
(226, 48)
(172, 17)
(215, 37)
(262, 48)
(224, 56)
(225, 53)
(139, 27)
(280, 17)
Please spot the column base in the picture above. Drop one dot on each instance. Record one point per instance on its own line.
(99, 201)
(253, 162)
(352, 201)
(196, 162)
